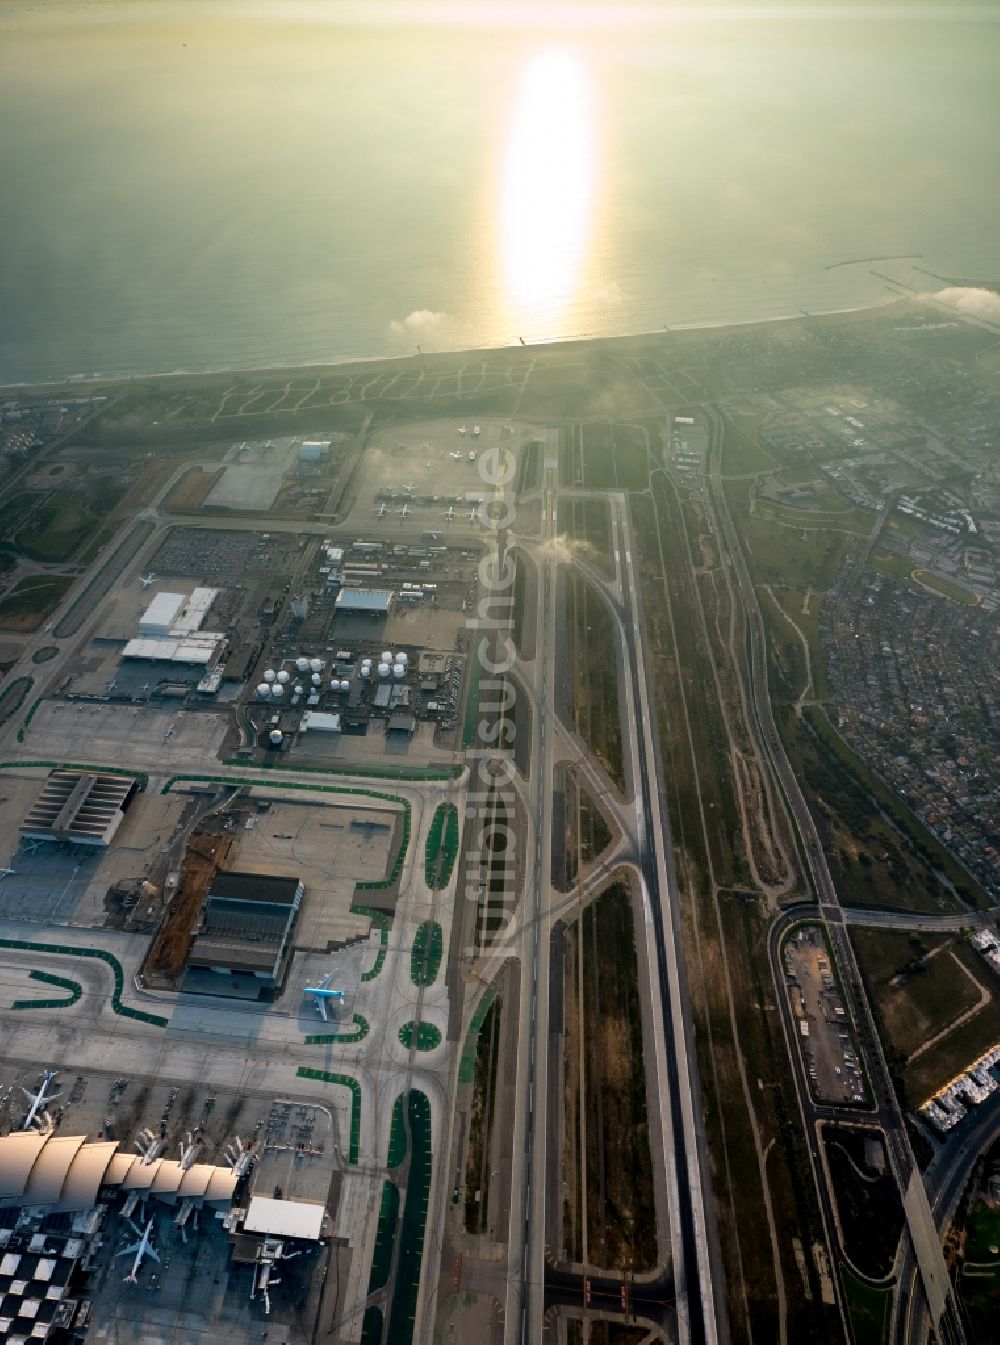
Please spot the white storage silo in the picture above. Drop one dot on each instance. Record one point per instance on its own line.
(284, 678)
(269, 675)
(345, 685)
(316, 679)
(277, 691)
(366, 671)
(383, 669)
(263, 689)
(277, 737)
(316, 664)
(302, 663)
(403, 658)
(399, 671)
(386, 656)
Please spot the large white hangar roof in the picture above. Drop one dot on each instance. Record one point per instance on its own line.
(284, 1218)
(363, 600)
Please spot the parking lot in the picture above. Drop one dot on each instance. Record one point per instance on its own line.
(825, 1034)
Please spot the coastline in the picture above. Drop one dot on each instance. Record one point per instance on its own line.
(85, 380)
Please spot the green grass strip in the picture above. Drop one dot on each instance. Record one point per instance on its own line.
(425, 955)
(382, 920)
(467, 1065)
(427, 1036)
(402, 1313)
(305, 1072)
(13, 697)
(385, 1238)
(362, 772)
(397, 1134)
(123, 1010)
(441, 848)
(371, 1326)
(73, 988)
(361, 1029)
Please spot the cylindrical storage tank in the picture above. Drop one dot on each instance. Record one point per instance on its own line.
(366, 671)
(263, 689)
(383, 670)
(277, 691)
(386, 655)
(316, 664)
(269, 675)
(302, 663)
(298, 688)
(334, 684)
(345, 685)
(402, 658)
(284, 677)
(315, 679)
(398, 671)
(277, 738)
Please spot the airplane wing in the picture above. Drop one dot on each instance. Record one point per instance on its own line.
(325, 982)
(151, 1251)
(130, 1251)
(321, 1004)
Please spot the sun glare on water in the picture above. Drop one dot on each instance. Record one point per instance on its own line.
(546, 191)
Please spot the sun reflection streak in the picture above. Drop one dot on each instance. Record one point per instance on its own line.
(547, 187)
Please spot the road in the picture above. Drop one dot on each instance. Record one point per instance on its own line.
(933, 1271)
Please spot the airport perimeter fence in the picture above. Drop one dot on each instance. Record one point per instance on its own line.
(61, 950)
(74, 989)
(361, 1029)
(324, 1076)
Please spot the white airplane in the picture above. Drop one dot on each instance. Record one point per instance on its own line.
(322, 992)
(239, 1158)
(140, 1249)
(29, 846)
(380, 513)
(451, 513)
(38, 1117)
(458, 456)
(472, 515)
(190, 1150)
(404, 511)
(434, 536)
(408, 489)
(150, 1146)
(146, 579)
(475, 431)
(463, 430)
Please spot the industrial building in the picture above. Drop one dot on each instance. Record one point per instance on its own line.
(170, 630)
(245, 937)
(80, 808)
(372, 601)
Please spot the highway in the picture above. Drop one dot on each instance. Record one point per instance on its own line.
(930, 1258)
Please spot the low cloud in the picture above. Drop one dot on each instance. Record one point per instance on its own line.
(419, 325)
(965, 299)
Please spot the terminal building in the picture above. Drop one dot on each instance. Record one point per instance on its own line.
(79, 808)
(244, 942)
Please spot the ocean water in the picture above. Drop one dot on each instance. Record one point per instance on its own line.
(205, 185)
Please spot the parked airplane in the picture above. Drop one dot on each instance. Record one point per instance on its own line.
(190, 1150)
(458, 455)
(146, 579)
(150, 1146)
(463, 430)
(381, 510)
(433, 536)
(38, 1117)
(472, 515)
(404, 511)
(451, 513)
(322, 992)
(240, 1159)
(408, 489)
(140, 1249)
